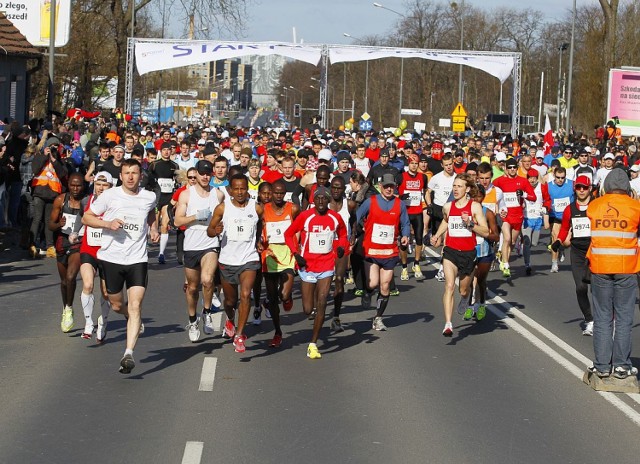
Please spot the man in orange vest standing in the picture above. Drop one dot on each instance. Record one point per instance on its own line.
(614, 261)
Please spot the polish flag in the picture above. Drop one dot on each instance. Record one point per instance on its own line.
(548, 135)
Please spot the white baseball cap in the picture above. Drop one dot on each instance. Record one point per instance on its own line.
(104, 176)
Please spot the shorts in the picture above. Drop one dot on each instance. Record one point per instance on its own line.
(465, 261)
(417, 222)
(192, 258)
(388, 264)
(486, 259)
(555, 220)
(63, 252)
(313, 277)
(231, 274)
(516, 224)
(117, 275)
(287, 271)
(533, 224)
(163, 200)
(86, 258)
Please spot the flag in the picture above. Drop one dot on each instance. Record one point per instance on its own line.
(548, 135)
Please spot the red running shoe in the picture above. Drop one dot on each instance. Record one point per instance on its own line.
(288, 304)
(229, 329)
(276, 341)
(238, 343)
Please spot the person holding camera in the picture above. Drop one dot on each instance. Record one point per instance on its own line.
(49, 174)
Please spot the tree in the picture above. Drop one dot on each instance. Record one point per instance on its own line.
(610, 11)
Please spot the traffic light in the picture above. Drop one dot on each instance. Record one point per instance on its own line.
(296, 110)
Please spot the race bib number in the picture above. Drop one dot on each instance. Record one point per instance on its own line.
(94, 236)
(581, 227)
(559, 204)
(511, 200)
(288, 196)
(415, 198)
(166, 185)
(241, 230)
(275, 231)
(383, 234)
(490, 206)
(479, 240)
(457, 228)
(253, 194)
(321, 242)
(69, 224)
(534, 210)
(134, 226)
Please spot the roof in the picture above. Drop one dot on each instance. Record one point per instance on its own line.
(13, 43)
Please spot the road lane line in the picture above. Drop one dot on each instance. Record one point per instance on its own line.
(208, 374)
(217, 320)
(627, 410)
(192, 452)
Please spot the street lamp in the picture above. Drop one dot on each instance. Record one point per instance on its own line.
(567, 118)
(454, 5)
(366, 79)
(378, 5)
(561, 48)
(286, 101)
(333, 98)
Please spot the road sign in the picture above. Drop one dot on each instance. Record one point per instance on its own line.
(365, 125)
(410, 112)
(444, 122)
(365, 116)
(213, 95)
(458, 118)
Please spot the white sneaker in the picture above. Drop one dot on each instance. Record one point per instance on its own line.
(215, 301)
(207, 323)
(141, 331)
(554, 267)
(440, 275)
(562, 256)
(588, 330)
(101, 331)
(194, 330)
(378, 324)
(66, 324)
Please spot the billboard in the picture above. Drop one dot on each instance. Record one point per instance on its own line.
(33, 19)
(624, 100)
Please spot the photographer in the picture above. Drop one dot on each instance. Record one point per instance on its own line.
(49, 174)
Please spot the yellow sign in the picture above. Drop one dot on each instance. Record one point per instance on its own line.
(365, 116)
(213, 95)
(458, 118)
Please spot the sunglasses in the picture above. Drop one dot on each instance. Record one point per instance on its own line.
(560, 178)
(512, 167)
(582, 187)
(191, 177)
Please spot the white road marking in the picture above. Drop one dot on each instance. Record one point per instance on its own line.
(578, 372)
(208, 375)
(192, 452)
(217, 320)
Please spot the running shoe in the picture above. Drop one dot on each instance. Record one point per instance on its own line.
(588, 330)
(358, 292)
(207, 323)
(33, 252)
(101, 331)
(595, 371)
(184, 287)
(194, 330)
(554, 268)
(265, 307)
(394, 292)
(404, 275)
(312, 316)
(440, 275)
(51, 252)
(276, 341)
(620, 372)
(238, 343)
(417, 272)
(448, 329)
(462, 306)
(468, 314)
(287, 305)
(257, 316)
(562, 256)
(527, 270)
(378, 324)
(66, 324)
(312, 351)
(336, 325)
(87, 332)
(141, 330)
(481, 312)
(161, 259)
(215, 301)
(127, 364)
(366, 300)
(349, 280)
(506, 272)
(229, 329)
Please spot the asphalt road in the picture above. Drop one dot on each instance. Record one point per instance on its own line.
(503, 390)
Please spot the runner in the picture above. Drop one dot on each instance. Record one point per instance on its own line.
(278, 263)
(239, 259)
(463, 220)
(90, 266)
(66, 211)
(194, 209)
(533, 221)
(163, 179)
(323, 238)
(128, 216)
(557, 195)
(382, 216)
(264, 197)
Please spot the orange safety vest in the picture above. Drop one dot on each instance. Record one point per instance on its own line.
(614, 235)
(48, 178)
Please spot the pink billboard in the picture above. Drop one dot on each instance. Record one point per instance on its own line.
(624, 100)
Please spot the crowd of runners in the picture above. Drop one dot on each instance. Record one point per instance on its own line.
(260, 207)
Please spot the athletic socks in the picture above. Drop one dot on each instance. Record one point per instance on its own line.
(128, 351)
(193, 318)
(381, 306)
(87, 307)
(105, 306)
(164, 239)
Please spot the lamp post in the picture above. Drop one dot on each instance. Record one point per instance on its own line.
(561, 48)
(567, 118)
(460, 9)
(333, 98)
(286, 101)
(301, 100)
(366, 79)
(379, 5)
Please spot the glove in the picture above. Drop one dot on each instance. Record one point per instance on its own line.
(555, 246)
(300, 260)
(340, 252)
(405, 196)
(519, 192)
(73, 237)
(202, 214)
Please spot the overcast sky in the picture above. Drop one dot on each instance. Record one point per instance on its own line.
(325, 21)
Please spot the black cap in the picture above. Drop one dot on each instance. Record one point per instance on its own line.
(424, 158)
(209, 149)
(204, 167)
(343, 155)
(384, 152)
(511, 162)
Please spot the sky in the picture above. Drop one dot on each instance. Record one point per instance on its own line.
(325, 21)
